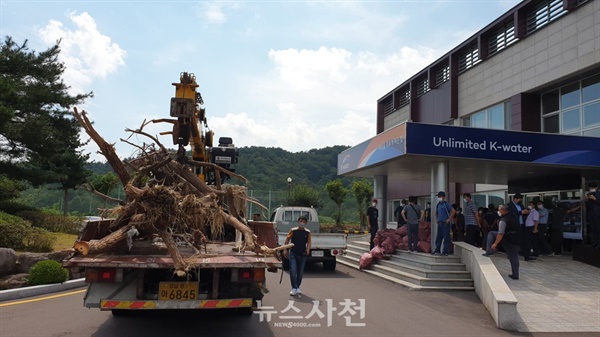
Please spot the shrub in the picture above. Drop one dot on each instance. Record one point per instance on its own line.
(52, 221)
(47, 272)
(38, 240)
(13, 231)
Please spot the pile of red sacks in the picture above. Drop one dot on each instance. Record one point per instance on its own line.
(388, 240)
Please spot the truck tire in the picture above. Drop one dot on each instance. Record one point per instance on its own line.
(329, 264)
(285, 263)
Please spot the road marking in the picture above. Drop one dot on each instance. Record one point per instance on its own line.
(42, 298)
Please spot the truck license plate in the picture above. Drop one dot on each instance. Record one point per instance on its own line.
(316, 253)
(177, 291)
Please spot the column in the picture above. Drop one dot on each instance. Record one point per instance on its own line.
(379, 193)
(439, 182)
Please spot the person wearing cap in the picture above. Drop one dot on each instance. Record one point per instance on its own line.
(445, 213)
(372, 217)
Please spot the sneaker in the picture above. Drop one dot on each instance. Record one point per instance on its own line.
(551, 254)
(513, 277)
(445, 254)
(294, 292)
(487, 254)
(435, 253)
(298, 292)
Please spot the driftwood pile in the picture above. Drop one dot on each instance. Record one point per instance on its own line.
(165, 198)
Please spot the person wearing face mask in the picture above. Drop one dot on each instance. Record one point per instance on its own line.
(472, 220)
(398, 213)
(300, 237)
(372, 217)
(509, 235)
(592, 203)
(445, 213)
(542, 241)
(530, 232)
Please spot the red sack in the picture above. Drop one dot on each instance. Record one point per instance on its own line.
(424, 231)
(402, 231)
(376, 253)
(424, 246)
(388, 245)
(365, 261)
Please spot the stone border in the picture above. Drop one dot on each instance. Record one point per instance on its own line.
(17, 293)
(489, 286)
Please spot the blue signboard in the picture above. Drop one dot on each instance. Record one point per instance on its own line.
(532, 147)
(465, 142)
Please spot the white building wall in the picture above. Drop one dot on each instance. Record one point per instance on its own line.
(563, 48)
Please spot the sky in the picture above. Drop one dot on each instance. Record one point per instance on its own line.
(297, 75)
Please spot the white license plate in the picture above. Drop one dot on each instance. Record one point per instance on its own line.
(316, 253)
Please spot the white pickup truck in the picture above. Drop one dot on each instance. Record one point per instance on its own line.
(324, 246)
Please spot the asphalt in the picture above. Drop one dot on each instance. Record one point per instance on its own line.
(555, 294)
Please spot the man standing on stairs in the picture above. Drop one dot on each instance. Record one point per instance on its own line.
(412, 215)
(372, 217)
(445, 213)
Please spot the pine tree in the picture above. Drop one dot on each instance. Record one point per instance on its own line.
(39, 138)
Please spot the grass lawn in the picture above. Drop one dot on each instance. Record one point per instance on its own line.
(63, 241)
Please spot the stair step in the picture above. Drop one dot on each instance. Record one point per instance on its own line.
(414, 270)
(353, 263)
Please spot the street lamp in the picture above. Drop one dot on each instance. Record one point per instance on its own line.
(289, 181)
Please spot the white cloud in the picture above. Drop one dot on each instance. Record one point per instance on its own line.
(87, 53)
(305, 69)
(214, 11)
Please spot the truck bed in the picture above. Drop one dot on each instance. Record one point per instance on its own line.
(322, 240)
(217, 255)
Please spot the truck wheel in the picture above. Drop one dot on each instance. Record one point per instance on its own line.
(285, 264)
(329, 264)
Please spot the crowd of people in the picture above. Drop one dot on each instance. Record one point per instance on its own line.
(518, 230)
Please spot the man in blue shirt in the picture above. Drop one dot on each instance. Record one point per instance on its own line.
(445, 213)
(300, 237)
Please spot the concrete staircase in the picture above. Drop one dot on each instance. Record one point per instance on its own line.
(417, 271)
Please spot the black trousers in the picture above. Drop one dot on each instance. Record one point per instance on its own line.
(472, 236)
(512, 252)
(528, 241)
(542, 242)
(595, 227)
(373, 233)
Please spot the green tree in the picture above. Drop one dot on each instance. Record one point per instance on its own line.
(303, 195)
(337, 192)
(363, 192)
(36, 125)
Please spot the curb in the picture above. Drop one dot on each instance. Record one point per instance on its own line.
(13, 294)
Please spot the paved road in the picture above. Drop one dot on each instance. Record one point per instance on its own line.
(389, 310)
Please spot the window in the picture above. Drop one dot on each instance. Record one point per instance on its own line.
(573, 108)
(388, 106)
(502, 38)
(442, 75)
(469, 57)
(546, 12)
(495, 117)
(422, 86)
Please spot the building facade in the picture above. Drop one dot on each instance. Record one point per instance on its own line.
(534, 70)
